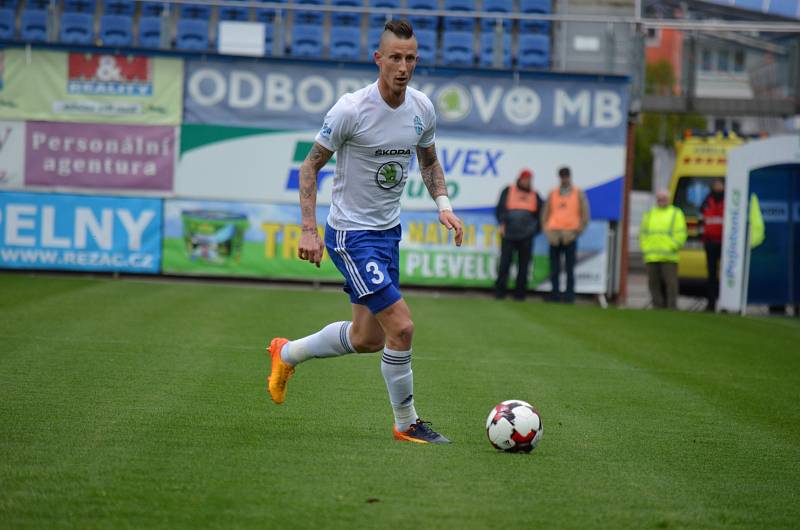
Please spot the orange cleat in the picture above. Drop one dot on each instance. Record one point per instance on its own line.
(281, 372)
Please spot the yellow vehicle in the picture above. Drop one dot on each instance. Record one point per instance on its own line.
(698, 160)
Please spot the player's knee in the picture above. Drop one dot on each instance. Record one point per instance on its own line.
(404, 332)
(368, 344)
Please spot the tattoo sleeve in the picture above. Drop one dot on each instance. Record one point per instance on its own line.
(432, 172)
(316, 159)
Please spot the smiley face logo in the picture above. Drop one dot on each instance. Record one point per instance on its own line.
(521, 105)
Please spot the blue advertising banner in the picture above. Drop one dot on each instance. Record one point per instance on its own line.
(79, 232)
(543, 107)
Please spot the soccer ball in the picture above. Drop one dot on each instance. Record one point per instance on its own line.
(514, 426)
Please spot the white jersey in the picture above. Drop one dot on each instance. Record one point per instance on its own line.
(373, 144)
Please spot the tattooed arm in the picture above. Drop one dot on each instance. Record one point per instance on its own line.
(432, 172)
(310, 247)
(433, 177)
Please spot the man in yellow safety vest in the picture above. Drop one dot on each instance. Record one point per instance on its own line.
(661, 235)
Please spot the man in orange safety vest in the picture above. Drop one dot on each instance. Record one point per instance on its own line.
(565, 216)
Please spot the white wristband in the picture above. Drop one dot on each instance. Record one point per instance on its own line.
(443, 202)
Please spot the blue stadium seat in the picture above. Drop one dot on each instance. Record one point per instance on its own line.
(534, 51)
(784, 8)
(80, 6)
(458, 48)
(487, 43)
(345, 43)
(752, 5)
(380, 19)
(150, 31)
(346, 19)
(116, 30)
(306, 41)
(373, 39)
(9, 4)
(119, 7)
(426, 41)
(77, 28)
(192, 34)
(535, 7)
(496, 6)
(33, 25)
(269, 38)
(195, 11)
(7, 23)
(229, 12)
(459, 23)
(152, 9)
(423, 21)
(309, 17)
(267, 15)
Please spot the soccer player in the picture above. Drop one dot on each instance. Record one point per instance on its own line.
(374, 130)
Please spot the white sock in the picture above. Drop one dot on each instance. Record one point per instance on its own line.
(396, 370)
(331, 341)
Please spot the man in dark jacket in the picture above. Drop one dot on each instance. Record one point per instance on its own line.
(518, 214)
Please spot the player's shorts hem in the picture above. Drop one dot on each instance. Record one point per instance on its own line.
(380, 300)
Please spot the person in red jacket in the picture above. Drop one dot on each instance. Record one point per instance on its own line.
(712, 213)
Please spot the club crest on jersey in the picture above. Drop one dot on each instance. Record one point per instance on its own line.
(389, 175)
(325, 131)
(418, 124)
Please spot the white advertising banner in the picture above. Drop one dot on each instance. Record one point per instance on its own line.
(241, 164)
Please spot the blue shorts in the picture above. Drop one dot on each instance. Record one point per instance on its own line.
(369, 260)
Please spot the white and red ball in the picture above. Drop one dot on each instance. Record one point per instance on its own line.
(514, 426)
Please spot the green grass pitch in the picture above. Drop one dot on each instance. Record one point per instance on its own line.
(142, 404)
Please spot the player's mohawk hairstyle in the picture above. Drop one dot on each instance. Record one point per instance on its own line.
(400, 27)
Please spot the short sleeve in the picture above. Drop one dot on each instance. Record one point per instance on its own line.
(429, 134)
(338, 126)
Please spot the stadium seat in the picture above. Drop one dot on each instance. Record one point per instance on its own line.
(116, 30)
(378, 20)
(534, 51)
(195, 11)
(373, 39)
(192, 34)
(347, 19)
(309, 17)
(496, 6)
(487, 43)
(8, 19)
(229, 12)
(345, 43)
(152, 9)
(426, 41)
(267, 15)
(269, 38)
(424, 21)
(33, 25)
(459, 23)
(306, 41)
(458, 48)
(784, 8)
(150, 31)
(77, 28)
(535, 7)
(80, 6)
(119, 7)
(750, 5)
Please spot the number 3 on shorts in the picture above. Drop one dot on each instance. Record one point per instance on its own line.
(377, 278)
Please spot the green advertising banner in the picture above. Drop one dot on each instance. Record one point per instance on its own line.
(41, 85)
(260, 240)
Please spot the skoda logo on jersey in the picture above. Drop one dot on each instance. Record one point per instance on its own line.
(389, 175)
(418, 124)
